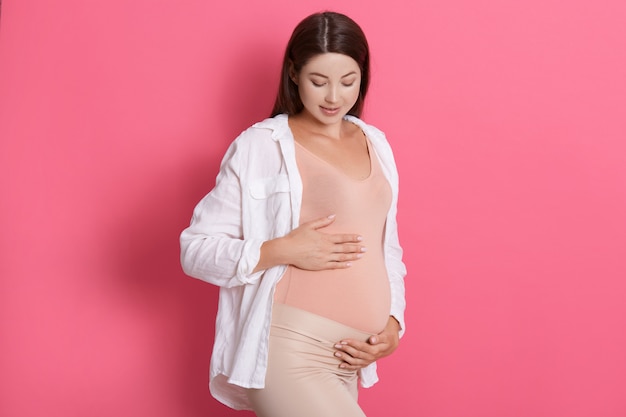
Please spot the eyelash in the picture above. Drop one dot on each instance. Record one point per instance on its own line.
(323, 84)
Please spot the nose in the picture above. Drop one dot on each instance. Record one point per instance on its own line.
(331, 95)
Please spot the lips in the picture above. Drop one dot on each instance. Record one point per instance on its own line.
(330, 111)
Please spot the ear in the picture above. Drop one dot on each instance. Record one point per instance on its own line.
(292, 73)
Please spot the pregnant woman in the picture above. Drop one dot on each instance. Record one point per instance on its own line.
(300, 235)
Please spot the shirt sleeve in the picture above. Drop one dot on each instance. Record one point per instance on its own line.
(396, 268)
(396, 271)
(213, 248)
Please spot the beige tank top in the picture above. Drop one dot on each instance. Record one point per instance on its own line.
(358, 296)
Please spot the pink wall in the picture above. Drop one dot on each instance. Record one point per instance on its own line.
(509, 123)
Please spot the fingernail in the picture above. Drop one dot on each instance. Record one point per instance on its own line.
(349, 264)
(363, 249)
(332, 216)
(338, 346)
(337, 354)
(359, 238)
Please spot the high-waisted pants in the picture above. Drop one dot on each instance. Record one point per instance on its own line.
(303, 376)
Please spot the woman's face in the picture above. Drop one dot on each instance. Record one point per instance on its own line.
(329, 86)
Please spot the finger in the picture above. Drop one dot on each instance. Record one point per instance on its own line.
(349, 248)
(348, 367)
(358, 350)
(338, 264)
(379, 338)
(350, 362)
(346, 238)
(352, 343)
(345, 257)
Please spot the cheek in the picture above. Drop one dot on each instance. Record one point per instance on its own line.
(303, 95)
(307, 94)
(354, 94)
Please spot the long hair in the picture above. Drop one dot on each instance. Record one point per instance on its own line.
(317, 34)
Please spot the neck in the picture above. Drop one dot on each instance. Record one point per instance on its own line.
(304, 121)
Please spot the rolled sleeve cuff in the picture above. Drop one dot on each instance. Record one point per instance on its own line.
(369, 375)
(399, 316)
(251, 253)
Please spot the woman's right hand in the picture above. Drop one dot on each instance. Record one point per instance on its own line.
(307, 247)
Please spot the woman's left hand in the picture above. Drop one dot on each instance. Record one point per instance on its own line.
(357, 354)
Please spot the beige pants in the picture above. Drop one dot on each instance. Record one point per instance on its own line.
(303, 377)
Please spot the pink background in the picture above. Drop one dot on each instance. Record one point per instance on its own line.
(508, 119)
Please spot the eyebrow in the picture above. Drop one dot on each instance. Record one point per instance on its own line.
(324, 76)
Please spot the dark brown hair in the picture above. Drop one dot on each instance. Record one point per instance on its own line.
(317, 34)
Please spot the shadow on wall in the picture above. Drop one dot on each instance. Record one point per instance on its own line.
(181, 308)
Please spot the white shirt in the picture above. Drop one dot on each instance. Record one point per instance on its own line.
(257, 197)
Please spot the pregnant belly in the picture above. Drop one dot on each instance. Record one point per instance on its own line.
(358, 296)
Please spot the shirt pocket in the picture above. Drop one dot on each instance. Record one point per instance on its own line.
(268, 211)
(264, 188)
